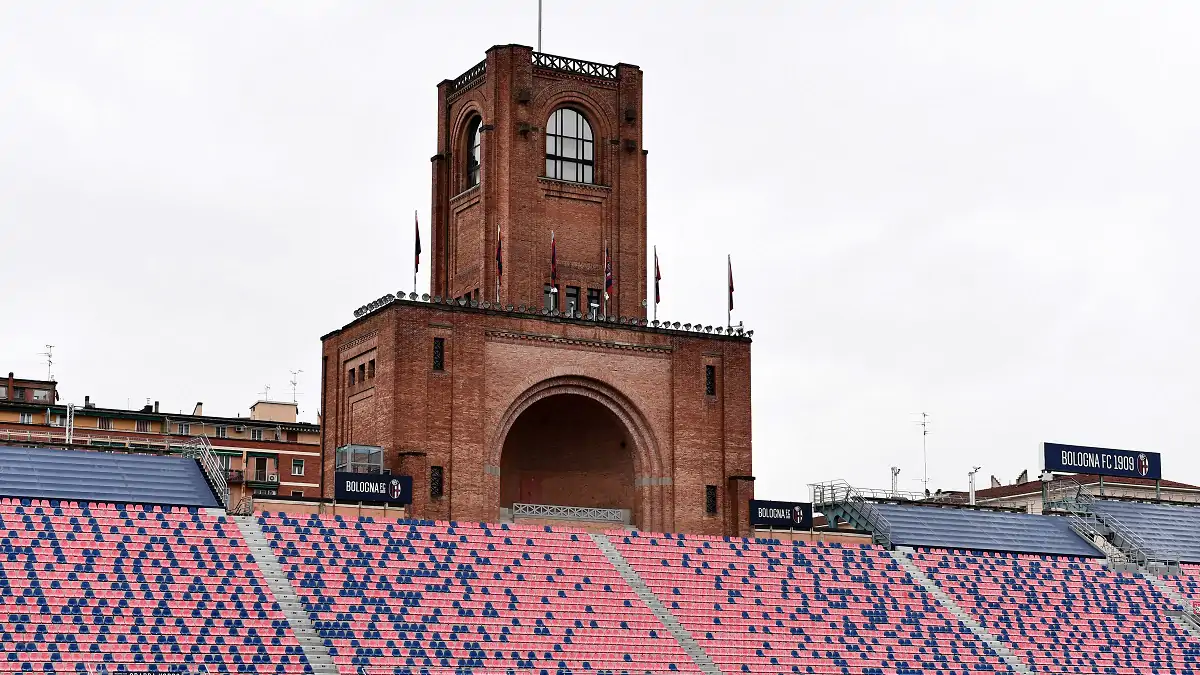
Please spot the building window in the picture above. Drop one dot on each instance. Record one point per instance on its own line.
(143, 426)
(572, 300)
(256, 434)
(221, 431)
(439, 353)
(297, 467)
(265, 492)
(104, 423)
(41, 395)
(569, 147)
(224, 461)
(297, 493)
(4, 392)
(19, 393)
(57, 420)
(362, 373)
(710, 380)
(26, 418)
(474, 142)
(371, 369)
(550, 295)
(436, 485)
(183, 429)
(351, 377)
(710, 499)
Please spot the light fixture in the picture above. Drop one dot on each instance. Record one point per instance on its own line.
(749, 333)
(675, 325)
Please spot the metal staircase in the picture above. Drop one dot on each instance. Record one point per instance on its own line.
(838, 499)
(681, 635)
(199, 449)
(1123, 546)
(310, 641)
(931, 587)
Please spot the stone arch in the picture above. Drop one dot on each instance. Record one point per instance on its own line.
(647, 454)
(567, 94)
(457, 141)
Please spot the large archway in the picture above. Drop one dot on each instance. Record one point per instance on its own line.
(568, 450)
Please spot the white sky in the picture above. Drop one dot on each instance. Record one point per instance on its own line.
(982, 210)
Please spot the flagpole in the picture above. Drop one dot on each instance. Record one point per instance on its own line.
(417, 235)
(656, 282)
(729, 292)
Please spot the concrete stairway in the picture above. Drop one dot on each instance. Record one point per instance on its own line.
(681, 635)
(1185, 617)
(312, 644)
(969, 621)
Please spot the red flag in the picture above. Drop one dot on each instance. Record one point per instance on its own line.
(657, 277)
(608, 277)
(499, 260)
(730, 260)
(417, 229)
(553, 261)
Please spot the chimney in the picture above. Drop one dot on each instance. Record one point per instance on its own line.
(156, 406)
(87, 401)
(995, 482)
(199, 409)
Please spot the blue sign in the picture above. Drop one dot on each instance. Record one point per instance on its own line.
(781, 515)
(1061, 458)
(372, 487)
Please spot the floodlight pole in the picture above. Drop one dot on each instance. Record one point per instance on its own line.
(971, 488)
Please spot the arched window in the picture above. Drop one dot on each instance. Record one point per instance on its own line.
(473, 138)
(569, 147)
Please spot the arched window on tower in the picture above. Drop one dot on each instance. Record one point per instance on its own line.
(473, 143)
(570, 152)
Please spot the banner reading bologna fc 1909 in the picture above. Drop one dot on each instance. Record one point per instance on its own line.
(372, 487)
(1061, 458)
(781, 515)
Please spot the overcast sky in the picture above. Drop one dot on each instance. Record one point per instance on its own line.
(985, 211)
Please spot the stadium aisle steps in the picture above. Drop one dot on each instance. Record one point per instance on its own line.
(1064, 614)
(765, 606)
(141, 588)
(313, 646)
(682, 636)
(423, 596)
(946, 601)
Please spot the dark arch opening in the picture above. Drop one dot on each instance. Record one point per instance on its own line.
(568, 450)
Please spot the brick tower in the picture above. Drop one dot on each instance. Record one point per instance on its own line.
(514, 391)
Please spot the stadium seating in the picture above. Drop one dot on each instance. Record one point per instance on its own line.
(139, 588)
(416, 595)
(1169, 531)
(803, 608)
(1066, 615)
(980, 530)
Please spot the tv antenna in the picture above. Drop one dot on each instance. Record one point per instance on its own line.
(49, 354)
(266, 392)
(293, 382)
(924, 422)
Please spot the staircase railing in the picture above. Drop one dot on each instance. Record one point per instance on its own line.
(198, 448)
(1079, 503)
(843, 494)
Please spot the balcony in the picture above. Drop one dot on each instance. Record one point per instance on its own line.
(235, 476)
(262, 478)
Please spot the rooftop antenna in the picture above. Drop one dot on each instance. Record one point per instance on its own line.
(49, 354)
(539, 25)
(895, 480)
(266, 392)
(924, 422)
(971, 477)
(293, 382)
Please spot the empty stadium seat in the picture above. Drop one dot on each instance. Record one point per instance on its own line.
(1066, 614)
(140, 588)
(1167, 531)
(420, 596)
(760, 606)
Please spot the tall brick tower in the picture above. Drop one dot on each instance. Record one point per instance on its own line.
(530, 144)
(503, 393)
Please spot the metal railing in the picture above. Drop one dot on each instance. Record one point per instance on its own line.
(576, 66)
(1079, 503)
(570, 513)
(244, 507)
(843, 494)
(200, 449)
(468, 78)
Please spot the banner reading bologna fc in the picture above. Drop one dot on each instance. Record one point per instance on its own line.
(781, 515)
(372, 487)
(1061, 458)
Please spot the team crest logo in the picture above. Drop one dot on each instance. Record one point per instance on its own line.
(1143, 464)
(797, 514)
(395, 489)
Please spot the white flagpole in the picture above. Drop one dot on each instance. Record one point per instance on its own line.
(728, 292)
(416, 236)
(539, 25)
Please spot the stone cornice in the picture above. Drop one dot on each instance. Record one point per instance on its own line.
(519, 336)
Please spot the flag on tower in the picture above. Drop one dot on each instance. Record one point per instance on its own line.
(730, 261)
(499, 260)
(657, 277)
(553, 262)
(417, 230)
(608, 278)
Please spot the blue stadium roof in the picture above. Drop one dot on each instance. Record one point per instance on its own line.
(1170, 531)
(978, 530)
(78, 475)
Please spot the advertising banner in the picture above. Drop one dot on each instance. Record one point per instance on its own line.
(372, 487)
(781, 515)
(1060, 458)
